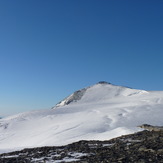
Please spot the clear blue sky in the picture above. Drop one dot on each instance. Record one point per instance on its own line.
(49, 49)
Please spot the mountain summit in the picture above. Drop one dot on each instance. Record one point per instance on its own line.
(99, 112)
(76, 96)
(100, 91)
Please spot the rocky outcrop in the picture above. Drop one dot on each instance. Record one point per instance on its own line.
(103, 82)
(142, 147)
(76, 96)
(151, 128)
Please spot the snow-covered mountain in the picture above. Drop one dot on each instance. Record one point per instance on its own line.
(98, 112)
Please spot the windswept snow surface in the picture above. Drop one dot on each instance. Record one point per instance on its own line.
(103, 111)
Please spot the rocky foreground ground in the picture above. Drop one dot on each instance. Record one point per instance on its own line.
(141, 147)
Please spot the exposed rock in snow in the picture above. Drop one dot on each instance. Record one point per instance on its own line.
(151, 128)
(141, 147)
(76, 96)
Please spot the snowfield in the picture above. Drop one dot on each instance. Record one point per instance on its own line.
(100, 112)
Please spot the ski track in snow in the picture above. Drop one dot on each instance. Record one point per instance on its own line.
(104, 111)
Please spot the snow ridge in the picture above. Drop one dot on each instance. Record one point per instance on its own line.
(102, 88)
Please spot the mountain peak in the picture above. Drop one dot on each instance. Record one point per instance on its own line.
(102, 91)
(77, 95)
(103, 82)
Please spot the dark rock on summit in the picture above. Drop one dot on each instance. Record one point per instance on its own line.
(103, 82)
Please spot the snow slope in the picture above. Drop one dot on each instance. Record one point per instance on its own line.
(99, 112)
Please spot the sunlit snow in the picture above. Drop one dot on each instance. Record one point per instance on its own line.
(102, 112)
